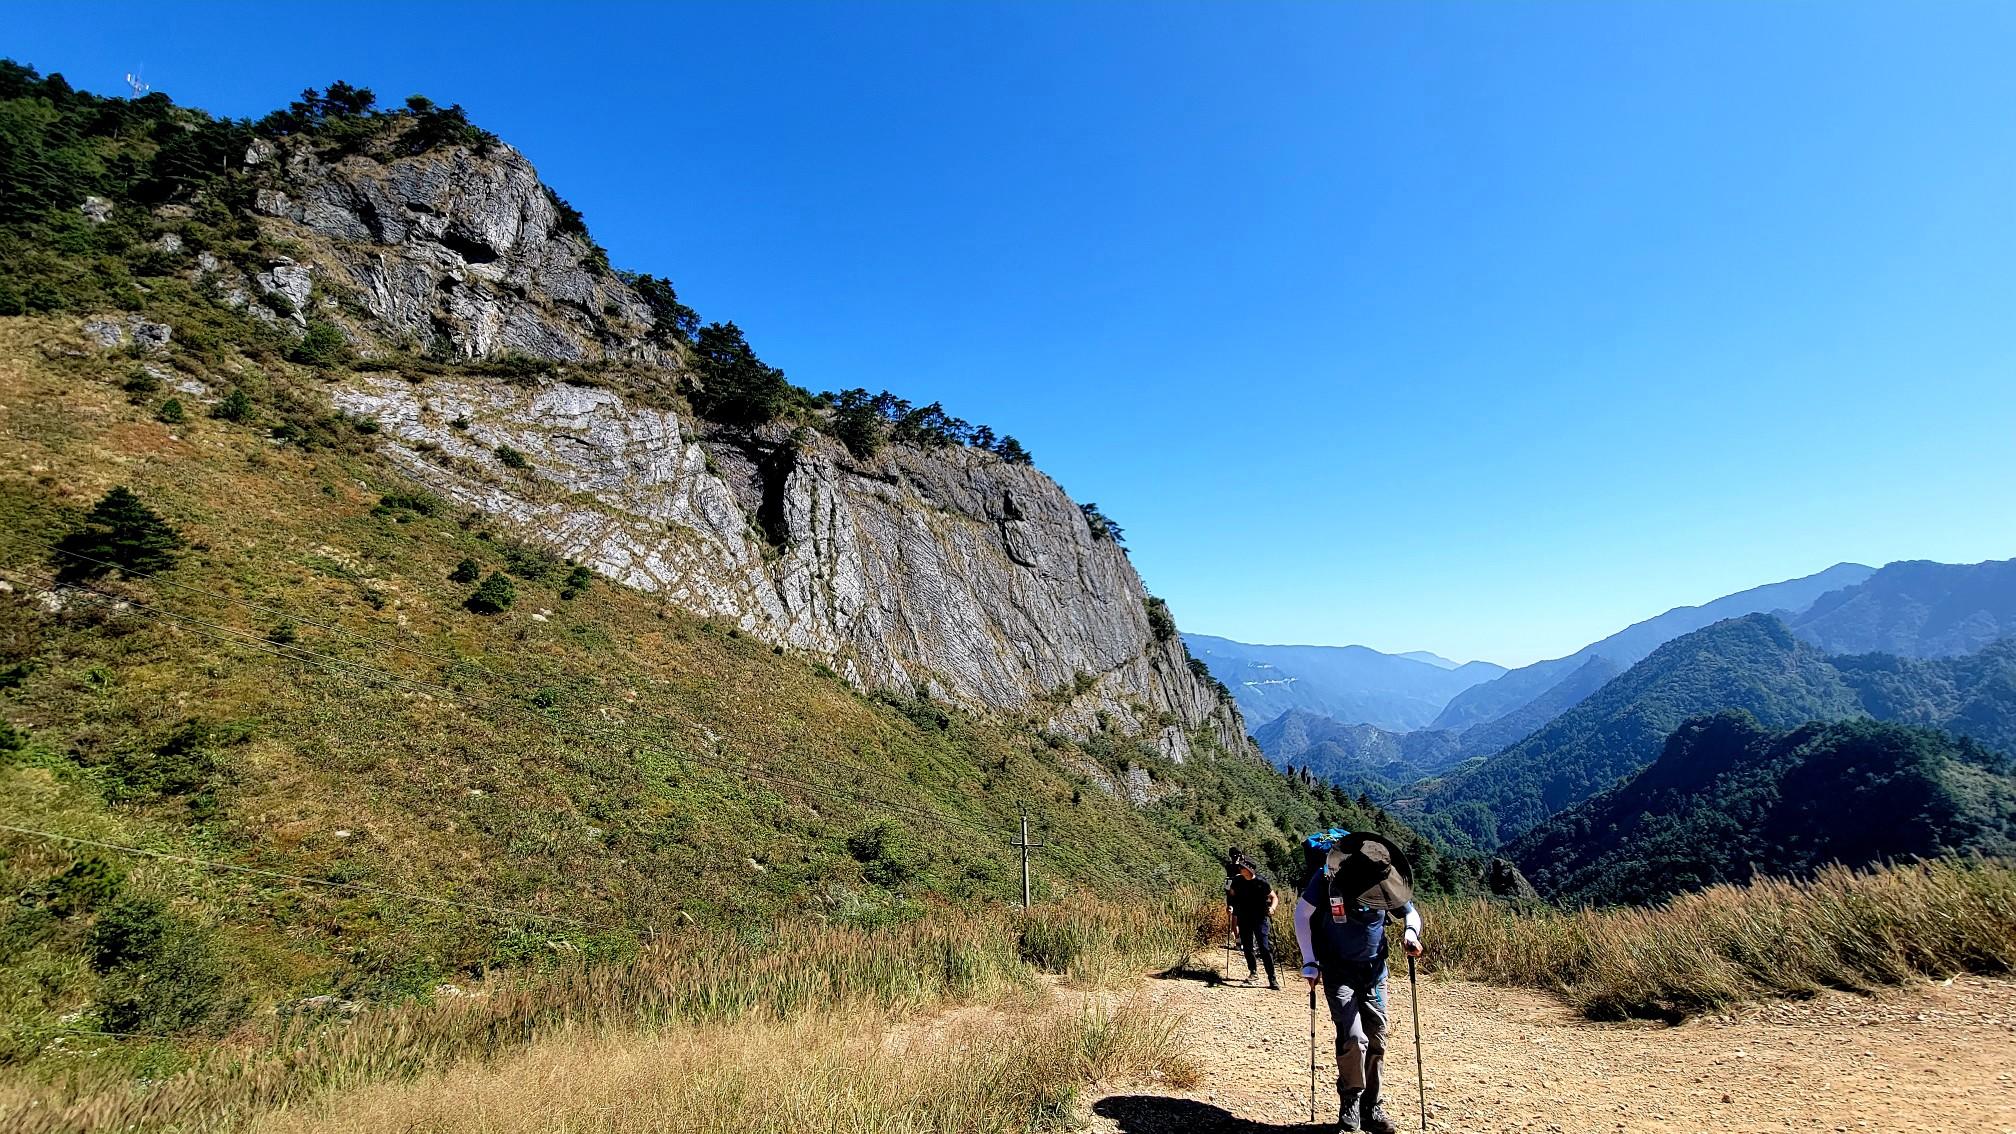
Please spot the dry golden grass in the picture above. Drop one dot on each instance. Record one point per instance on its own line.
(1003, 1073)
(698, 983)
(1844, 929)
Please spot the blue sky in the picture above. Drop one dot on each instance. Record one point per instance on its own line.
(1481, 328)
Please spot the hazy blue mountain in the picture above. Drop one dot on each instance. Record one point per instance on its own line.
(1364, 758)
(1496, 735)
(1436, 660)
(1357, 756)
(1728, 798)
(1627, 647)
(1916, 609)
(1752, 663)
(1353, 684)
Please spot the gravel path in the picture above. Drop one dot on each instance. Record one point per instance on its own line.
(1935, 1058)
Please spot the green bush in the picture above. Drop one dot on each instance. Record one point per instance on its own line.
(323, 345)
(577, 582)
(888, 853)
(235, 406)
(465, 572)
(159, 973)
(1160, 622)
(494, 596)
(512, 458)
(171, 412)
(120, 534)
(141, 383)
(409, 500)
(185, 764)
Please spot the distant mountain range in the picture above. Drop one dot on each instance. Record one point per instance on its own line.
(1728, 799)
(1351, 684)
(1549, 762)
(1492, 700)
(1756, 664)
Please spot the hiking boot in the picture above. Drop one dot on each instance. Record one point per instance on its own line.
(1273, 984)
(1347, 1110)
(1374, 1121)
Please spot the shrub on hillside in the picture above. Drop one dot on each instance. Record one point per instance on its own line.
(234, 406)
(494, 596)
(120, 534)
(511, 458)
(159, 973)
(465, 572)
(888, 853)
(323, 345)
(171, 412)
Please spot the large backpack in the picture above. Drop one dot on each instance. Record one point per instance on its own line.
(1316, 849)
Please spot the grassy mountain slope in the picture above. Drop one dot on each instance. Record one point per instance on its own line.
(1728, 798)
(603, 759)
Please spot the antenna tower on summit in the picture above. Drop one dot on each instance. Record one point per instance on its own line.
(134, 82)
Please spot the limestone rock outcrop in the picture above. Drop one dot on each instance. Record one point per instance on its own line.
(946, 572)
(448, 247)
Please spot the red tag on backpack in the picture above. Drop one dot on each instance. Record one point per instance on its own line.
(1336, 908)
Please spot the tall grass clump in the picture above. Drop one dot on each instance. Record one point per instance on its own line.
(1843, 929)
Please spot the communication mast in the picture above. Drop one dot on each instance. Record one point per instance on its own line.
(136, 84)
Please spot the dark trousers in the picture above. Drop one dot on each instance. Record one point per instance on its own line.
(1256, 934)
(1357, 1002)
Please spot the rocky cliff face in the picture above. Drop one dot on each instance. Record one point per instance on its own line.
(447, 250)
(947, 572)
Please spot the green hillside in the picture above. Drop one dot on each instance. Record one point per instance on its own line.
(1728, 800)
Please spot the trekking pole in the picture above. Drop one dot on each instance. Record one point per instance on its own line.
(1420, 1076)
(1312, 1055)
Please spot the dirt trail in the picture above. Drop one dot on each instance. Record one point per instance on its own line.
(1929, 1059)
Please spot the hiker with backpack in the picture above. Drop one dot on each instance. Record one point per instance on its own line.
(1250, 899)
(1340, 926)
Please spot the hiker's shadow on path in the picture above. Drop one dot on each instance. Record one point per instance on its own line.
(1156, 1114)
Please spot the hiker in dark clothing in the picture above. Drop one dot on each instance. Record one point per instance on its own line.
(1340, 925)
(1251, 901)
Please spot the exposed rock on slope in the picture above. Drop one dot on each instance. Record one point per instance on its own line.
(952, 572)
(446, 246)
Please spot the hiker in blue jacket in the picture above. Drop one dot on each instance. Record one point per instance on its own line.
(1340, 925)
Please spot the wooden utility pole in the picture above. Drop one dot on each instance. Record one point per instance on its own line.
(1026, 845)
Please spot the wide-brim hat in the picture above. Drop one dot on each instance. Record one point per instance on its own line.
(1371, 870)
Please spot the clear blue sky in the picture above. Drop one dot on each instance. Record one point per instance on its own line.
(1481, 328)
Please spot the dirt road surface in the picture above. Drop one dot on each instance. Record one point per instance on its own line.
(1933, 1058)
